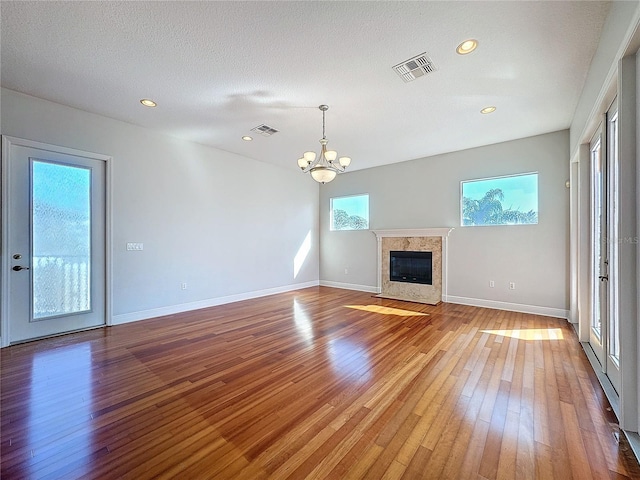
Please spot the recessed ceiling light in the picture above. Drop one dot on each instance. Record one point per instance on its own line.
(148, 103)
(488, 110)
(467, 46)
(247, 138)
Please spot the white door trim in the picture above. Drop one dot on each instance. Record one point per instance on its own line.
(7, 143)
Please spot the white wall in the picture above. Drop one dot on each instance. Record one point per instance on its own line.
(226, 225)
(426, 193)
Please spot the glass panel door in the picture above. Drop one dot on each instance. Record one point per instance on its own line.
(604, 335)
(56, 225)
(598, 235)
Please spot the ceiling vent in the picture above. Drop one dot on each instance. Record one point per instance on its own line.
(264, 130)
(415, 67)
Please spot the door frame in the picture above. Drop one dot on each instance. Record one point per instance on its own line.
(612, 245)
(606, 239)
(5, 166)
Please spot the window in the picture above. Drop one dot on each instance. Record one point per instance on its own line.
(510, 200)
(350, 213)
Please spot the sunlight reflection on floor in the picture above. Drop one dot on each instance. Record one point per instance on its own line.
(387, 310)
(529, 333)
(303, 323)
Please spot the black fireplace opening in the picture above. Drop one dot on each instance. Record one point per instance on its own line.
(410, 267)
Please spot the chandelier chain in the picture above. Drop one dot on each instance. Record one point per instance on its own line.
(323, 135)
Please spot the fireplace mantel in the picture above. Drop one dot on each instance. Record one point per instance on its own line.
(414, 232)
(410, 233)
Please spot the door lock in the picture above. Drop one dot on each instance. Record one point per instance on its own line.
(17, 256)
(17, 268)
(603, 277)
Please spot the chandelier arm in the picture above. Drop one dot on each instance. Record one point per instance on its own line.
(312, 165)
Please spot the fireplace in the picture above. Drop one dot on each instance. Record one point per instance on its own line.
(412, 249)
(410, 267)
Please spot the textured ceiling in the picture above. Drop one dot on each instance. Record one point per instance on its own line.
(218, 69)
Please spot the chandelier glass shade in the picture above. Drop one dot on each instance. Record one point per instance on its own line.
(325, 166)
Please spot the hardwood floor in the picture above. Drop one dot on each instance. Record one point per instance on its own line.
(317, 383)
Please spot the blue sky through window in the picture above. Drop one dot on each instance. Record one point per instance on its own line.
(520, 195)
(62, 186)
(355, 205)
(356, 208)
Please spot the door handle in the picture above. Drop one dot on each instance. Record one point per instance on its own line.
(17, 268)
(603, 277)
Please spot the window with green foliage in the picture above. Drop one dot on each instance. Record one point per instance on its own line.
(350, 213)
(511, 200)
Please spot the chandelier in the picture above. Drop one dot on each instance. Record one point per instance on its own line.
(323, 167)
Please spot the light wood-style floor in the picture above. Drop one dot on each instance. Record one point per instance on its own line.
(317, 383)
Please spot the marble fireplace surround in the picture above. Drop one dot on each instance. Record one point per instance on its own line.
(420, 240)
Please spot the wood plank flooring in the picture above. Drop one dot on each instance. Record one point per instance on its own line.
(317, 383)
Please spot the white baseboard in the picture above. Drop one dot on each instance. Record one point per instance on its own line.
(211, 302)
(512, 307)
(475, 302)
(350, 286)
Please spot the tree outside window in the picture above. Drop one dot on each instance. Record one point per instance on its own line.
(509, 200)
(350, 213)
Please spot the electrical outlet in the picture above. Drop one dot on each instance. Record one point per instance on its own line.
(135, 246)
(512, 285)
(346, 271)
(183, 286)
(492, 284)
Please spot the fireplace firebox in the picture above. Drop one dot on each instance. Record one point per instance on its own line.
(410, 267)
